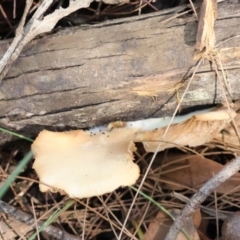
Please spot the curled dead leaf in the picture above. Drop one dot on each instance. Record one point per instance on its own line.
(192, 171)
(160, 225)
(229, 134)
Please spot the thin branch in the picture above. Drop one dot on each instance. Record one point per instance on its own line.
(29, 220)
(38, 24)
(195, 202)
(5, 61)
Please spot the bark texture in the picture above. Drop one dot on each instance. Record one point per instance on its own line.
(125, 69)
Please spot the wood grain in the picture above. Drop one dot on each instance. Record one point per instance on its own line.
(124, 69)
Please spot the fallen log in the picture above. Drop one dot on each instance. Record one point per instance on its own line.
(125, 69)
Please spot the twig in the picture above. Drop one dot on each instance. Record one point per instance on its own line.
(201, 195)
(194, 9)
(6, 59)
(36, 25)
(29, 220)
(35, 218)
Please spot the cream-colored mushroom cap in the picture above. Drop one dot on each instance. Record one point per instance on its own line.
(85, 164)
(217, 115)
(197, 130)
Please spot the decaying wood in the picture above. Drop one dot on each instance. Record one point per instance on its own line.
(38, 24)
(126, 69)
(26, 221)
(205, 39)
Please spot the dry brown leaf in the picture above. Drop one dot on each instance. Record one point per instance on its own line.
(203, 227)
(193, 171)
(205, 39)
(229, 135)
(160, 225)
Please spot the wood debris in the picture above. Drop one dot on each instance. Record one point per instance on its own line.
(205, 39)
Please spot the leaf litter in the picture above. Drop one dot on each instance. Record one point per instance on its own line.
(93, 214)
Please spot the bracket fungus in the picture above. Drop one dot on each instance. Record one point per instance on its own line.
(91, 163)
(85, 164)
(195, 131)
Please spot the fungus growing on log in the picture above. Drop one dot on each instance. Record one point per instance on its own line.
(91, 163)
(199, 129)
(85, 164)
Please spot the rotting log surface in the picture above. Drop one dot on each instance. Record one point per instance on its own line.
(124, 69)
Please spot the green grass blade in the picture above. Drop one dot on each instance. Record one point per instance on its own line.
(52, 218)
(15, 134)
(20, 166)
(15, 173)
(161, 208)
